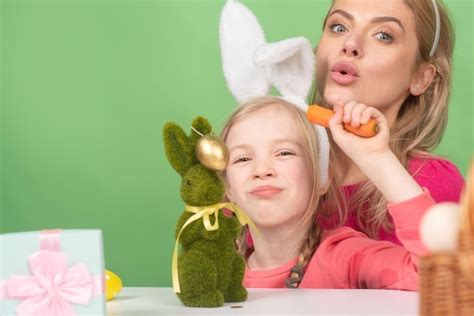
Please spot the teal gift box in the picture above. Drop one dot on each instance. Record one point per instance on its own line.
(52, 272)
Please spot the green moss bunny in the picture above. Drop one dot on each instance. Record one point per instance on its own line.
(210, 271)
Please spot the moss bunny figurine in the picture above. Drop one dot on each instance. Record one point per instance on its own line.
(209, 269)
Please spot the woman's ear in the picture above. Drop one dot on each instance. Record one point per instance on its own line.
(422, 79)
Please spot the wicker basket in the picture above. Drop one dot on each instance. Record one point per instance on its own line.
(447, 279)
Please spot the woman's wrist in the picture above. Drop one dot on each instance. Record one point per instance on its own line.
(364, 159)
(390, 177)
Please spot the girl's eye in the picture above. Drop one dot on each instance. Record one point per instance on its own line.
(337, 28)
(242, 159)
(285, 153)
(384, 37)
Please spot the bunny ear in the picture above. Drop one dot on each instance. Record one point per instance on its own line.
(201, 126)
(178, 148)
(240, 35)
(251, 65)
(291, 66)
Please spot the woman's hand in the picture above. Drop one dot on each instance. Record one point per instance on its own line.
(373, 155)
(359, 149)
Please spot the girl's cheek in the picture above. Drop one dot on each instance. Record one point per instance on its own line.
(299, 174)
(234, 177)
(297, 169)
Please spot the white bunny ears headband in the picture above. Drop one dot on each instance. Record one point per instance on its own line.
(251, 66)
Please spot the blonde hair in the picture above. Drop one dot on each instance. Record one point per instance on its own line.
(421, 120)
(310, 148)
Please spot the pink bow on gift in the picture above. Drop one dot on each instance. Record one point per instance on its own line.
(53, 286)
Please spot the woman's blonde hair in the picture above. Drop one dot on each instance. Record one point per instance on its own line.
(310, 149)
(422, 119)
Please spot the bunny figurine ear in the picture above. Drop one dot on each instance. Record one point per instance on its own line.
(251, 66)
(178, 148)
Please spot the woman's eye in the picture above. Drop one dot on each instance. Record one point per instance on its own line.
(337, 28)
(384, 37)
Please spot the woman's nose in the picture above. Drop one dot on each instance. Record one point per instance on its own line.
(352, 46)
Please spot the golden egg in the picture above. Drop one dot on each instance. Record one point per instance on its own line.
(212, 152)
(113, 285)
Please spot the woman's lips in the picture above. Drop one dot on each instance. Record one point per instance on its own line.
(265, 191)
(342, 79)
(344, 73)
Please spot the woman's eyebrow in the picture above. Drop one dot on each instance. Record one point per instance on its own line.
(343, 13)
(374, 20)
(387, 19)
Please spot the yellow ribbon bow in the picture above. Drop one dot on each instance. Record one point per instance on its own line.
(205, 212)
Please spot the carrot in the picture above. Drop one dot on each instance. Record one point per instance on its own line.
(319, 115)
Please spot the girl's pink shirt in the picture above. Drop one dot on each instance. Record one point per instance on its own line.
(348, 259)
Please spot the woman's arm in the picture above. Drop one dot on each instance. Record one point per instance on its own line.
(352, 259)
(373, 155)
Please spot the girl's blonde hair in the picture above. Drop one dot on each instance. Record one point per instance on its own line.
(310, 149)
(421, 120)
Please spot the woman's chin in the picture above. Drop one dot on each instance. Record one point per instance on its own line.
(336, 96)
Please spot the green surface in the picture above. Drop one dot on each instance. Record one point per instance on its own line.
(86, 87)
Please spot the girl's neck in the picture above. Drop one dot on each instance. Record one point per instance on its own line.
(277, 246)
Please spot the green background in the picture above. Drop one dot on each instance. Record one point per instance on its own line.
(86, 87)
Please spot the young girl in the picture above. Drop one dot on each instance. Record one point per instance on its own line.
(391, 61)
(273, 175)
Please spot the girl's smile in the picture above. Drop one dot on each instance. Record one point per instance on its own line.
(265, 191)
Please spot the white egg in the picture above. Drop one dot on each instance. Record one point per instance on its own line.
(439, 227)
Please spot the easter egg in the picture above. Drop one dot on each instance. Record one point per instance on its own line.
(439, 227)
(113, 285)
(212, 152)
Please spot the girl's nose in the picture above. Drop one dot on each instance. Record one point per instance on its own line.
(352, 46)
(262, 170)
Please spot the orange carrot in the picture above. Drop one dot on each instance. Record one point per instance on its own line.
(318, 115)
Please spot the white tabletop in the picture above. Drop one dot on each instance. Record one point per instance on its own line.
(162, 301)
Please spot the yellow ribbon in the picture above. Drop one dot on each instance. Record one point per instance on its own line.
(205, 212)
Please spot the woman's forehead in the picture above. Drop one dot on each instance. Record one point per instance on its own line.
(376, 8)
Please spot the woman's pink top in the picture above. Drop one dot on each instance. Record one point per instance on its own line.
(440, 177)
(348, 259)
